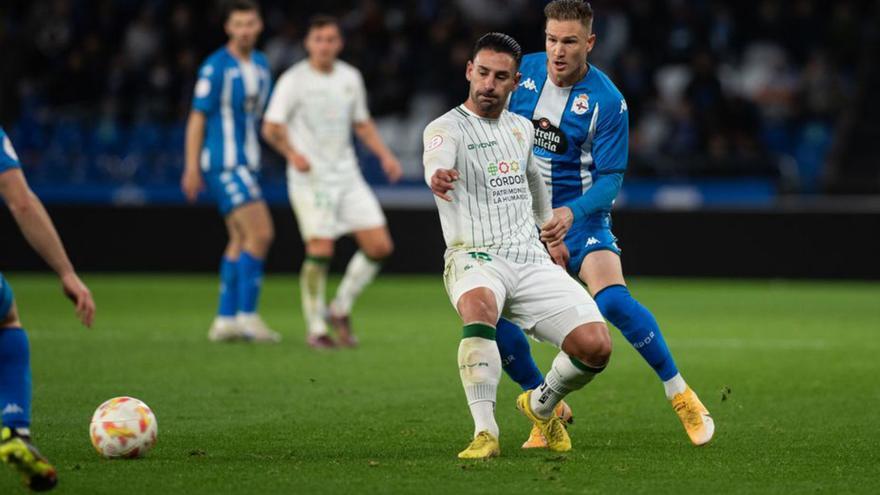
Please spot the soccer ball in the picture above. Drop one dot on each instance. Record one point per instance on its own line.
(123, 427)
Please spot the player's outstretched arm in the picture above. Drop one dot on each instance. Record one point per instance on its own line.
(440, 140)
(192, 182)
(367, 132)
(38, 229)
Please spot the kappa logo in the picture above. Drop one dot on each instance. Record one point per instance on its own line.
(12, 408)
(623, 107)
(529, 84)
(581, 104)
(592, 241)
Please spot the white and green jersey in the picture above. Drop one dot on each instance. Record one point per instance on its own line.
(500, 197)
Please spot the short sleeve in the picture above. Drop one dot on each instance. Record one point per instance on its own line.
(361, 112)
(441, 142)
(8, 157)
(206, 95)
(282, 103)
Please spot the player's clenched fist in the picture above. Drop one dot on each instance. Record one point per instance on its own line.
(555, 229)
(442, 182)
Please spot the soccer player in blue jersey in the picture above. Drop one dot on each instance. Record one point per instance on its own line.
(581, 144)
(16, 448)
(222, 150)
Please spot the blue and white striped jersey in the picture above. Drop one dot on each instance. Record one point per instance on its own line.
(232, 94)
(8, 158)
(581, 131)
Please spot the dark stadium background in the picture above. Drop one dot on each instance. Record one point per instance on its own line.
(753, 128)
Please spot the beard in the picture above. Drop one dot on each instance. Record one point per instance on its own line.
(487, 102)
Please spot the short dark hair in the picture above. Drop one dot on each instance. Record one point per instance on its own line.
(498, 42)
(240, 6)
(570, 10)
(321, 20)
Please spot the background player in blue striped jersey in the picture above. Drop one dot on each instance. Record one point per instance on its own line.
(581, 145)
(222, 150)
(16, 448)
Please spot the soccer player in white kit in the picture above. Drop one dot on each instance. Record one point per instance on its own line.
(491, 197)
(311, 114)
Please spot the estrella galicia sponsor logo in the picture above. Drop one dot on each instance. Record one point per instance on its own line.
(548, 137)
(481, 146)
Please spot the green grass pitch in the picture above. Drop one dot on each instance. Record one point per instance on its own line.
(800, 360)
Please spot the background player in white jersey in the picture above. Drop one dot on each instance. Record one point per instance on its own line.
(315, 106)
(581, 142)
(490, 195)
(16, 448)
(221, 143)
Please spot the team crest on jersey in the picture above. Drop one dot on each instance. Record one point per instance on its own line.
(519, 136)
(581, 104)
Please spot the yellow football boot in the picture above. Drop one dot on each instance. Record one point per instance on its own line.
(536, 439)
(17, 451)
(552, 428)
(483, 446)
(694, 416)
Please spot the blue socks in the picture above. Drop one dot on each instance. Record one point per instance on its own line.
(228, 288)
(516, 355)
(638, 326)
(250, 279)
(15, 378)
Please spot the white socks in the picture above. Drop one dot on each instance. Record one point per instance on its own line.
(564, 377)
(675, 385)
(312, 284)
(359, 272)
(479, 365)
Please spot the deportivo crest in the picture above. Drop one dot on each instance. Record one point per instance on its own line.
(581, 104)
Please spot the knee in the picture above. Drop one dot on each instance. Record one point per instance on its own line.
(10, 319)
(265, 235)
(590, 344)
(320, 248)
(614, 302)
(478, 305)
(379, 250)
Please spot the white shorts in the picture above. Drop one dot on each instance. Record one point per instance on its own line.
(332, 211)
(540, 298)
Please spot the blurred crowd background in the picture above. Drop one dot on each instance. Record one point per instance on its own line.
(95, 92)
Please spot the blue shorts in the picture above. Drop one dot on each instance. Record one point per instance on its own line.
(6, 297)
(233, 188)
(592, 234)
